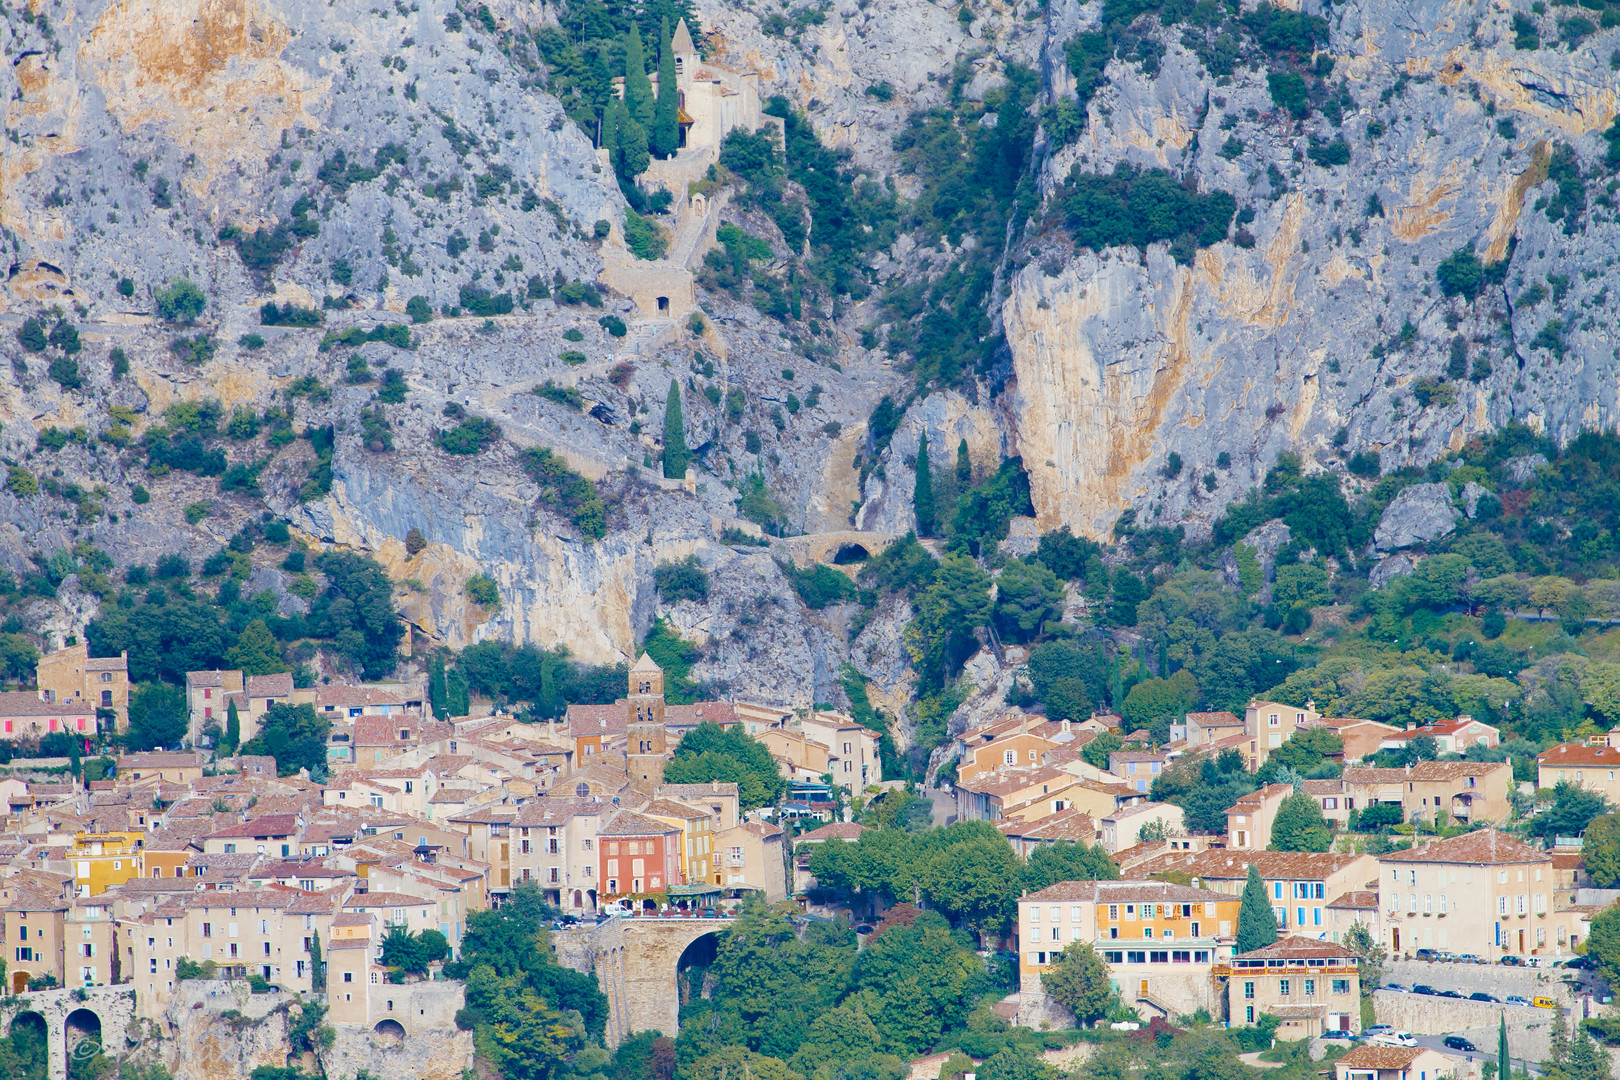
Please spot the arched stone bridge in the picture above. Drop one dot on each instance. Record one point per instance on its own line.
(69, 1016)
(836, 548)
(638, 961)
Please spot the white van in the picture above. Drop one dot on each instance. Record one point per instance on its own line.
(1393, 1038)
(617, 907)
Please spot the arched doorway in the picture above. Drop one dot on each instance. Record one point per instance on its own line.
(579, 899)
(390, 1029)
(30, 1037)
(692, 969)
(81, 1032)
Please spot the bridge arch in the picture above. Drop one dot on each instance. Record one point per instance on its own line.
(81, 1035)
(638, 963)
(848, 548)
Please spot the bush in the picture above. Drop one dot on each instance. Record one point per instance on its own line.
(820, 586)
(418, 308)
(1288, 92)
(644, 236)
(482, 590)
(567, 396)
(64, 370)
(180, 301)
(683, 580)
(1461, 273)
(482, 302)
(288, 314)
(613, 325)
(198, 349)
(31, 335)
(1142, 207)
(568, 492)
(472, 436)
(250, 341)
(1328, 154)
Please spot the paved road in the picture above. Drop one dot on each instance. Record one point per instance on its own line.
(1437, 1042)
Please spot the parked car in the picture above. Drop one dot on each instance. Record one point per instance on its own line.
(1338, 1036)
(617, 907)
(1428, 954)
(1376, 1030)
(1581, 963)
(1469, 958)
(1395, 1038)
(1479, 995)
(1419, 988)
(1457, 1042)
(1512, 961)
(1448, 994)
(1544, 1003)
(1397, 988)
(1515, 999)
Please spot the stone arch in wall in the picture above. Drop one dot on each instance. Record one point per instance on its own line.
(81, 1035)
(389, 1028)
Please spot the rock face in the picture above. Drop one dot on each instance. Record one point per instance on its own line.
(1123, 358)
(1418, 514)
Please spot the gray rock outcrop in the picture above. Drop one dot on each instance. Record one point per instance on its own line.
(1418, 514)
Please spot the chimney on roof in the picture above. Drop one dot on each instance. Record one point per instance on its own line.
(1410, 726)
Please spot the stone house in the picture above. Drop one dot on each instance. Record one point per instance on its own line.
(1452, 736)
(206, 693)
(1269, 724)
(34, 920)
(1311, 986)
(72, 676)
(1458, 791)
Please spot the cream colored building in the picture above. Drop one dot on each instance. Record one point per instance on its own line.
(1269, 724)
(1593, 767)
(89, 951)
(33, 942)
(1482, 892)
(206, 704)
(1248, 821)
(1120, 830)
(1298, 884)
(1311, 986)
(750, 857)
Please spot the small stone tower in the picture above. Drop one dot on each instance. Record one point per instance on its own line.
(644, 723)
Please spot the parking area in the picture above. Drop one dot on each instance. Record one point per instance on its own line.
(1493, 979)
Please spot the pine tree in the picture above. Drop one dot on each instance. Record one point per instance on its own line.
(1257, 926)
(637, 87)
(456, 697)
(922, 496)
(964, 465)
(233, 729)
(665, 135)
(256, 651)
(437, 695)
(676, 455)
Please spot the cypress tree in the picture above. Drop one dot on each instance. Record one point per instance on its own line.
(631, 158)
(317, 967)
(610, 130)
(676, 455)
(665, 135)
(1257, 926)
(637, 87)
(457, 699)
(922, 496)
(437, 695)
(964, 465)
(233, 730)
(1504, 1061)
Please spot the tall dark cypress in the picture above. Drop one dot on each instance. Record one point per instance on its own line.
(964, 465)
(1257, 925)
(676, 455)
(922, 496)
(664, 137)
(637, 87)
